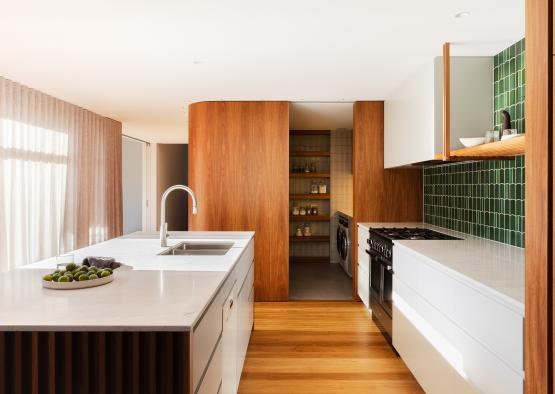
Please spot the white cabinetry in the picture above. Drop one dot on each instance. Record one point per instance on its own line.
(221, 337)
(414, 112)
(229, 345)
(453, 337)
(363, 266)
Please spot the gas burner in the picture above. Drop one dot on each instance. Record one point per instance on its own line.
(414, 233)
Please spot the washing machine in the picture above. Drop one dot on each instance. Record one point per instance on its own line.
(344, 243)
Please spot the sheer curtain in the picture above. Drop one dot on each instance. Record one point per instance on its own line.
(60, 176)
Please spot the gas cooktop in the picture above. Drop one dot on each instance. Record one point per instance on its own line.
(411, 233)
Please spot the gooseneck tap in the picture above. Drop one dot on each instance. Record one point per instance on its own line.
(163, 224)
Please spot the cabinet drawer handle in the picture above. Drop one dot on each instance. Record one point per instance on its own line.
(230, 303)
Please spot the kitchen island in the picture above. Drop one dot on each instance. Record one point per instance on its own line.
(165, 322)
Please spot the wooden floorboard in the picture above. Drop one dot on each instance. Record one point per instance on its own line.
(320, 347)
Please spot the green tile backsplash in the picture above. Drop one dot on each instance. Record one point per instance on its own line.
(482, 198)
(485, 198)
(508, 85)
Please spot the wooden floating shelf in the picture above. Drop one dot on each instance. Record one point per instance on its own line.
(309, 132)
(309, 175)
(310, 238)
(309, 218)
(309, 196)
(498, 150)
(309, 259)
(320, 153)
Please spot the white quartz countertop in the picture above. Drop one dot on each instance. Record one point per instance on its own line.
(160, 293)
(491, 267)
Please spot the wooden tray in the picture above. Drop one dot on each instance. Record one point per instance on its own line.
(77, 285)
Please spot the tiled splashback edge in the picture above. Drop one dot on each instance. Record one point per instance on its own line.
(483, 198)
(508, 85)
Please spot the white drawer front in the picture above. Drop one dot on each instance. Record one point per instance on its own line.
(364, 259)
(442, 356)
(496, 327)
(363, 279)
(362, 237)
(241, 269)
(212, 381)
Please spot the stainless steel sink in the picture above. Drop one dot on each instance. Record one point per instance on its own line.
(191, 248)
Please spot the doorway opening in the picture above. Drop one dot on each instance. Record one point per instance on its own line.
(321, 201)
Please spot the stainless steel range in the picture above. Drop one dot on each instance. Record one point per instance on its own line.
(380, 249)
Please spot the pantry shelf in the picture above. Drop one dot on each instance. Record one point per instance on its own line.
(310, 154)
(310, 238)
(309, 196)
(309, 175)
(309, 218)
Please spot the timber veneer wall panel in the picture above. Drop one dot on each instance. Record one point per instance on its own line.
(239, 170)
(538, 341)
(379, 195)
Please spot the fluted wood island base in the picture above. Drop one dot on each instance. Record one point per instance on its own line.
(94, 362)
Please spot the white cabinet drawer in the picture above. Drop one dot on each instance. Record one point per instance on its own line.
(243, 265)
(362, 237)
(245, 309)
(363, 280)
(208, 330)
(212, 380)
(495, 326)
(205, 337)
(364, 259)
(441, 355)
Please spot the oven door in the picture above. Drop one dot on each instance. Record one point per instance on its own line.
(381, 282)
(387, 289)
(375, 276)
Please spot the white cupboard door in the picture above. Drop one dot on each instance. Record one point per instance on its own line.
(363, 280)
(245, 320)
(229, 344)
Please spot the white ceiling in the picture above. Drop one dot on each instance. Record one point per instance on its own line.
(142, 62)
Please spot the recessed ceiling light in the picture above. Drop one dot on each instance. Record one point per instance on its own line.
(463, 14)
(198, 62)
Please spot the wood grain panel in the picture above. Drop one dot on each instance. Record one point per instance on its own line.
(239, 169)
(379, 195)
(317, 347)
(500, 150)
(538, 341)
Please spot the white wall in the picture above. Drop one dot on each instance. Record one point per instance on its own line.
(409, 120)
(133, 184)
(154, 134)
(471, 98)
(320, 116)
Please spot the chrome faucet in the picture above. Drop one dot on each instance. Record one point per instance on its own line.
(163, 224)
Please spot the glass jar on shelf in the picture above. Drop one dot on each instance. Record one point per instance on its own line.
(314, 188)
(322, 188)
